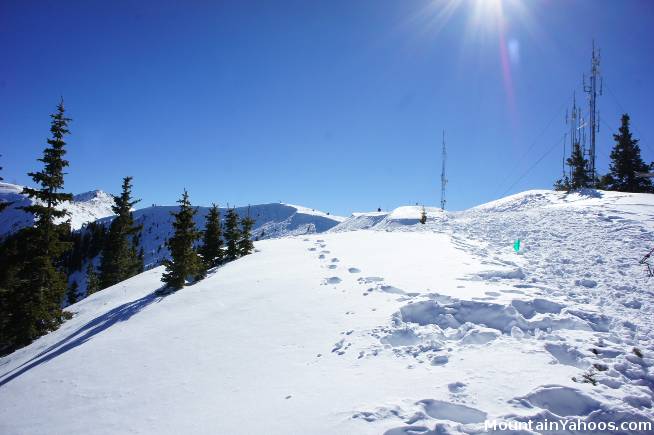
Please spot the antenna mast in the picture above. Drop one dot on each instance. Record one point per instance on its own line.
(443, 179)
(573, 119)
(593, 89)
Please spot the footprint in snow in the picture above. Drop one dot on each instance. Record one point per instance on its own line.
(332, 280)
(354, 270)
(332, 266)
(335, 260)
(370, 279)
(588, 283)
(391, 289)
(456, 387)
(441, 410)
(340, 347)
(559, 400)
(518, 292)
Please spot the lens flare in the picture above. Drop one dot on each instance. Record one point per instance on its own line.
(485, 20)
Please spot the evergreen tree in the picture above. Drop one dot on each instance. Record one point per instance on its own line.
(137, 254)
(212, 243)
(120, 258)
(423, 216)
(140, 261)
(184, 261)
(71, 293)
(92, 281)
(12, 300)
(245, 245)
(232, 235)
(41, 282)
(562, 184)
(3, 204)
(626, 162)
(579, 169)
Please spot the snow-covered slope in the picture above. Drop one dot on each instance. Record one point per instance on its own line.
(403, 328)
(84, 208)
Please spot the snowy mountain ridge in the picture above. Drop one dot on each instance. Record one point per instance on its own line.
(396, 329)
(271, 220)
(84, 208)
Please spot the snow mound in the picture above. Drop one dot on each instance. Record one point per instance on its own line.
(385, 221)
(562, 401)
(503, 318)
(584, 198)
(360, 221)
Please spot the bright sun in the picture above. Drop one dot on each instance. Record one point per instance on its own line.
(491, 15)
(483, 17)
(485, 23)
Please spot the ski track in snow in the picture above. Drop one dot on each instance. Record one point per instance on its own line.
(493, 334)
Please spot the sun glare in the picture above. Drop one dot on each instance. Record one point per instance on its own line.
(483, 24)
(491, 16)
(487, 12)
(481, 18)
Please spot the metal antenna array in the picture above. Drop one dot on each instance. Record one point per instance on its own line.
(593, 89)
(574, 119)
(443, 179)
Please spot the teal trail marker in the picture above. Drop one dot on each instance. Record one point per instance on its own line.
(516, 245)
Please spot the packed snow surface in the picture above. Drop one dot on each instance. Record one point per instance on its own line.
(399, 328)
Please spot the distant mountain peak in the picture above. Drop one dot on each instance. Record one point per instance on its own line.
(91, 195)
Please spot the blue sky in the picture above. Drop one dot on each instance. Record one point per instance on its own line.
(336, 104)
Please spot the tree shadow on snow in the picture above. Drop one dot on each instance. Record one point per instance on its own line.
(588, 192)
(82, 335)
